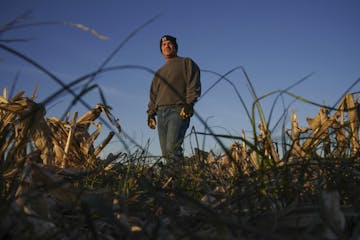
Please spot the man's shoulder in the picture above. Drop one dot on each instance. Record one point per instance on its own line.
(180, 58)
(177, 62)
(187, 59)
(191, 62)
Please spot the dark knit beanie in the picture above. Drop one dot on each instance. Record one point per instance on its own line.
(169, 38)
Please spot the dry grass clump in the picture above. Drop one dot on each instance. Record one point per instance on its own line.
(40, 159)
(24, 126)
(55, 186)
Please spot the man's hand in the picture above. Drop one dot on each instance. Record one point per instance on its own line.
(151, 121)
(186, 111)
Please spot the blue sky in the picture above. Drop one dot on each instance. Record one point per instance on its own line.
(277, 42)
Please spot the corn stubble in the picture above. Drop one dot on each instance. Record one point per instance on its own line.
(55, 186)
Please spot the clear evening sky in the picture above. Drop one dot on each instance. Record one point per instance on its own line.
(277, 42)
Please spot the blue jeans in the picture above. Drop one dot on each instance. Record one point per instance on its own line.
(171, 131)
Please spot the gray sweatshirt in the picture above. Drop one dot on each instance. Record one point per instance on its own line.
(176, 82)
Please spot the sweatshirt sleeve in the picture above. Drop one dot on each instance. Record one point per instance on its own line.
(153, 91)
(193, 89)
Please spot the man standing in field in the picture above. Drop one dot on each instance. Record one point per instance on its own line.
(174, 90)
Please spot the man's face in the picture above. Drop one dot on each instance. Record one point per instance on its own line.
(168, 49)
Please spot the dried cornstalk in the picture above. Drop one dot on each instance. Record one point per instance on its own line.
(333, 133)
(23, 124)
(351, 109)
(42, 138)
(344, 124)
(104, 143)
(69, 140)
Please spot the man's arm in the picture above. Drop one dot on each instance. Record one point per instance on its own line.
(151, 111)
(193, 89)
